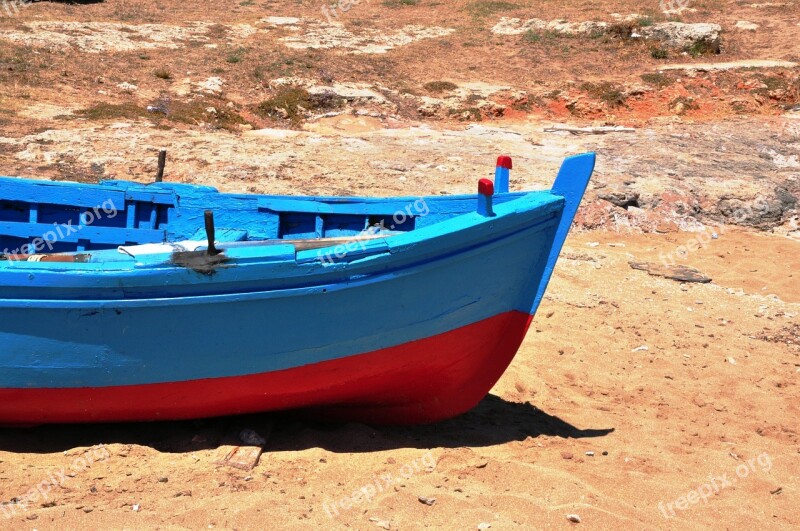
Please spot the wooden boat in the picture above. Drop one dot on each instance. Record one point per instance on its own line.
(131, 302)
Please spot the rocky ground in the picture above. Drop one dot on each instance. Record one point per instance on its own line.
(678, 383)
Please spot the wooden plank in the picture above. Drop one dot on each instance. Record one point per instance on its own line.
(69, 194)
(103, 235)
(150, 196)
(680, 273)
(241, 457)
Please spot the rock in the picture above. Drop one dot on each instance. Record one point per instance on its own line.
(252, 438)
(672, 34)
(163, 479)
(484, 525)
(128, 88)
(574, 518)
(621, 198)
(427, 501)
(729, 65)
(746, 26)
(566, 455)
(682, 35)
(352, 92)
(281, 21)
(212, 85)
(383, 524)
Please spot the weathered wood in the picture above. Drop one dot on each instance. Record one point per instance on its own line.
(241, 457)
(681, 273)
(162, 162)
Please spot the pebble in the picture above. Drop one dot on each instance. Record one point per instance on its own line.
(383, 524)
(590, 454)
(484, 525)
(566, 455)
(163, 479)
(574, 518)
(136, 507)
(427, 501)
(731, 360)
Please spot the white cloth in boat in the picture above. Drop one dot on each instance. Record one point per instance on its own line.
(160, 248)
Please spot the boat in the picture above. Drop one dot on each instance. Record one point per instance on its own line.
(124, 301)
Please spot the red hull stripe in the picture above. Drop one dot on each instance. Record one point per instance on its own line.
(421, 381)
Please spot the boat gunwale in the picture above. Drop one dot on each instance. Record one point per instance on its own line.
(355, 280)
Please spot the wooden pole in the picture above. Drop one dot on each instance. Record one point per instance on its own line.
(162, 161)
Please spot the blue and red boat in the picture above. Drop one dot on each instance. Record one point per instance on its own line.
(130, 302)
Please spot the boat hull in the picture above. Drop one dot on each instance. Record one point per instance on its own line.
(412, 327)
(420, 381)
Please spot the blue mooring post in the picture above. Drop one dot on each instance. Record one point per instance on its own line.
(485, 193)
(501, 174)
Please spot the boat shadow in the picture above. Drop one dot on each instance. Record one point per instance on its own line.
(493, 421)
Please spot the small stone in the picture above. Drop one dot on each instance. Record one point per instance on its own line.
(163, 479)
(136, 507)
(590, 454)
(566, 455)
(250, 437)
(605, 452)
(574, 518)
(383, 524)
(87, 509)
(127, 87)
(730, 360)
(427, 501)
(744, 25)
(484, 525)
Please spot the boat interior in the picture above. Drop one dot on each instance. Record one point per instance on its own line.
(45, 217)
